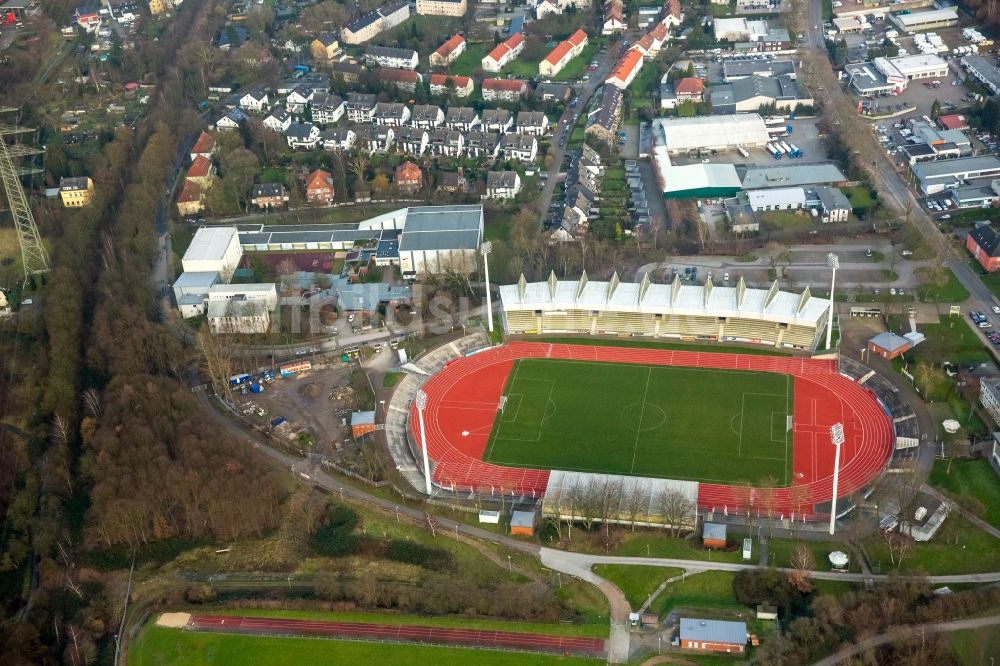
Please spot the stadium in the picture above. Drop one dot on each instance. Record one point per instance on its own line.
(733, 432)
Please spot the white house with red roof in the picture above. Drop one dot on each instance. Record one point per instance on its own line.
(563, 53)
(503, 54)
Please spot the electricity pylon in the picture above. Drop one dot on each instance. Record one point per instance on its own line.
(33, 254)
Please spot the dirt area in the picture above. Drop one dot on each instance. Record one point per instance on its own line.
(175, 620)
(318, 402)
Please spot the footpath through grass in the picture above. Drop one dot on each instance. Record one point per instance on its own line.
(970, 479)
(161, 646)
(636, 582)
(684, 423)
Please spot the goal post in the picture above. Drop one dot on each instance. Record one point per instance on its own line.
(503, 403)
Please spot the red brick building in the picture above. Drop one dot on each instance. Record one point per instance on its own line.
(409, 178)
(319, 188)
(984, 244)
(713, 635)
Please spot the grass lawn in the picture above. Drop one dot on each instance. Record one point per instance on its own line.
(859, 196)
(973, 647)
(952, 339)
(618, 342)
(657, 545)
(709, 589)
(162, 646)
(554, 419)
(637, 582)
(970, 477)
(519, 69)
(975, 551)
(470, 60)
(390, 379)
(595, 631)
(780, 553)
(785, 221)
(951, 291)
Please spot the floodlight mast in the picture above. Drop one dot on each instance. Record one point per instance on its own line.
(486, 248)
(837, 438)
(421, 400)
(833, 261)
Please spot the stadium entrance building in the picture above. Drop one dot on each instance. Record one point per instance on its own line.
(734, 314)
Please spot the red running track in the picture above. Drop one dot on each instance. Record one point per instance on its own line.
(502, 640)
(463, 399)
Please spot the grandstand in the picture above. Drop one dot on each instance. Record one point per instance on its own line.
(734, 314)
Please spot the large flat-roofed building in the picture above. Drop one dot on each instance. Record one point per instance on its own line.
(214, 249)
(778, 198)
(913, 67)
(937, 176)
(738, 314)
(800, 175)
(927, 20)
(868, 81)
(723, 132)
(784, 93)
(242, 309)
(984, 71)
(733, 70)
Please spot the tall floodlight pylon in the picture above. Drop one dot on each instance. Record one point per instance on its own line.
(34, 257)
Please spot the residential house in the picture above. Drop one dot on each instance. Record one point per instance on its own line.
(563, 53)
(204, 146)
(553, 92)
(319, 188)
(498, 120)
(360, 107)
(673, 14)
(326, 108)
(338, 139)
(834, 205)
(989, 395)
(502, 185)
(984, 244)
(659, 34)
(123, 11)
(324, 47)
(87, 18)
(449, 143)
(452, 182)
(302, 135)
(614, 17)
(76, 192)
(231, 119)
(482, 144)
(191, 199)
(386, 17)
(462, 118)
(278, 120)
(348, 71)
(232, 37)
(688, 89)
(504, 90)
(299, 98)
(602, 121)
(269, 195)
(520, 147)
(255, 100)
(448, 52)
(534, 123)
(626, 70)
(376, 138)
(201, 171)
(408, 177)
(546, 8)
(412, 140)
(447, 84)
(401, 78)
(391, 113)
(387, 56)
(503, 53)
(442, 7)
(427, 116)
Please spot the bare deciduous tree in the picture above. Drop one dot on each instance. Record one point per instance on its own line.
(676, 510)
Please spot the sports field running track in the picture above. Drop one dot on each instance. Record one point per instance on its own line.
(405, 633)
(463, 399)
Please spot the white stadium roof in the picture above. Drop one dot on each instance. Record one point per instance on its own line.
(675, 298)
(722, 131)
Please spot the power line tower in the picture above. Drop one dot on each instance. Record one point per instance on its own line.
(33, 254)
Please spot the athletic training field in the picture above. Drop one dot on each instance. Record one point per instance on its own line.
(721, 426)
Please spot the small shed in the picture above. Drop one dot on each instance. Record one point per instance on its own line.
(888, 345)
(490, 517)
(522, 522)
(362, 423)
(767, 612)
(714, 535)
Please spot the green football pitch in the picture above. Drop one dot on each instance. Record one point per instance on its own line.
(717, 426)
